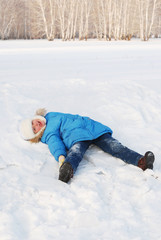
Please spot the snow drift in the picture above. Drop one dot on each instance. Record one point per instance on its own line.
(116, 83)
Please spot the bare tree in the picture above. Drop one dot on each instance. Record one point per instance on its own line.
(7, 17)
(97, 20)
(110, 19)
(104, 11)
(61, 6)
(45, 13)
(67, 19)
(71, 19)
(20, 27)
(147, 11)
(118, 8)
(83, 24)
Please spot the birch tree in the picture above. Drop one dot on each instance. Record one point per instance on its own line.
(147, 10)
(110, 19)
(67, 19)
(71, 19)
(104, 11)
(85, 11)
(45, 13)
(20, 28)
(7, 17)
(97, 20)
(118, 5)
(103, 20)
(61, 5)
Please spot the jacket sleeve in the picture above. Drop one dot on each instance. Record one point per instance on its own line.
(56, 146)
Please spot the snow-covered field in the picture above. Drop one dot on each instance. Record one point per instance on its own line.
(117, 83)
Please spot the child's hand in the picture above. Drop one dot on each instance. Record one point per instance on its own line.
(61, 160)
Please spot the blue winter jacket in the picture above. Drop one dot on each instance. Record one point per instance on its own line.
(63, 130)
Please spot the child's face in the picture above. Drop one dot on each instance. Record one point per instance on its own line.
(37, 125)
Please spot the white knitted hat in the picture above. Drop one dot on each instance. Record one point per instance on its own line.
(26, 127)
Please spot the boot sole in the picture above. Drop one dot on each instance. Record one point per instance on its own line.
(65, 172)
(149, 156)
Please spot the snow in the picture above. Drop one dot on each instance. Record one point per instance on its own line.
(116, 83)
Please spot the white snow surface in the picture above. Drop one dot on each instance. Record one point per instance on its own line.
(116, 83)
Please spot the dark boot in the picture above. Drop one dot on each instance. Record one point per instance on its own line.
(146, 161)
(65, 172)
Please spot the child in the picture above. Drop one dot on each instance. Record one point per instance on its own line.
(69, 136)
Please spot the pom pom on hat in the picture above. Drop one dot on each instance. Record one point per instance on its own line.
(41, 111)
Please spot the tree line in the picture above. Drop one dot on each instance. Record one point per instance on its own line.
(81, 19)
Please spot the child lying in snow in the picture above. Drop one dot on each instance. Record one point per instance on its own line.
(69, 136)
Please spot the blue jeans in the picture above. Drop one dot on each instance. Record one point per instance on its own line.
(108, 144)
